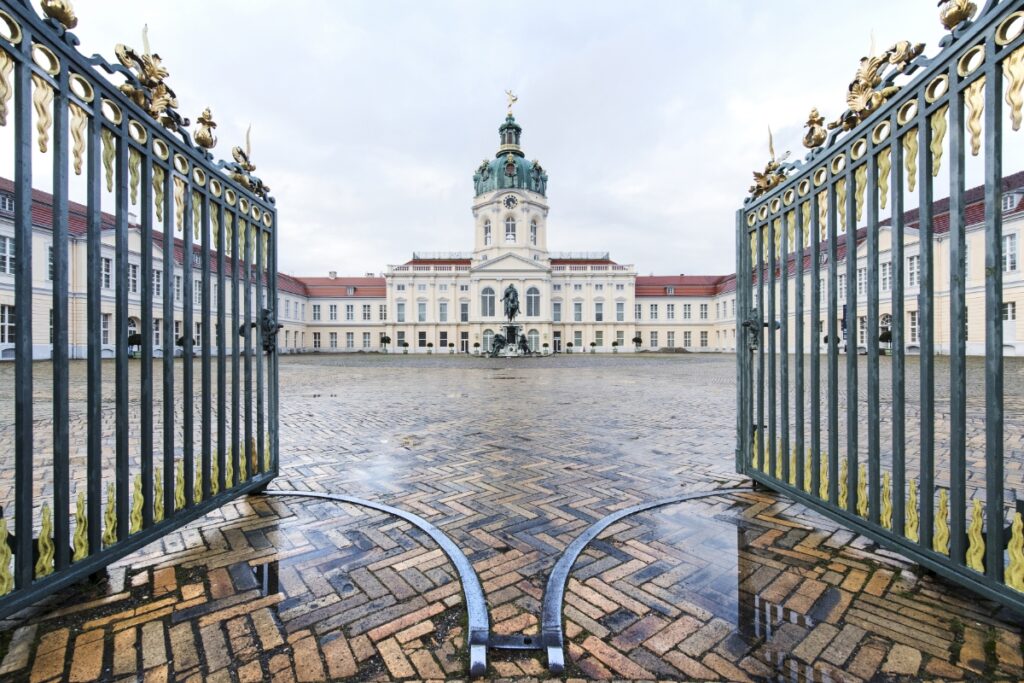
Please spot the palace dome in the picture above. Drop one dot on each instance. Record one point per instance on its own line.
(510, 169)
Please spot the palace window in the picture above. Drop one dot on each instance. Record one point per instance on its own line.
(399, 339)
(577, 287)
(400, 311)
(333, 312)
(421, 311)
(577, 311)
(687, 339)
(556, 288)
(366, 311)
(670, 291)
(577, 339)
(487, 233)
(533, 339)
(6, 203)
(654, 311)
(7, 255)
(7, 324)
(316, 340)
(487, 303)
(886, 276)
(598, 287)
(442, 312)
(533, 302)
(443, 340)
(50, 252)
(704, 340)
(464, 311)
(422, 287)
(1009, 202)
(687, 311)
(703, 311)
(533, 233)
(399, 288)
(671, 340)
(862, 281)
(157, 326)
(350, 312)
(599, 312)
(913, 327)
(350, 340)
(382, 312)
(463, 288)
(177, 288)
(510, 229)
(316, 312)
(670, 311)
(620, 338)
(862, 330)
(620, 287)
(1009, 253)
(620, 311)
(599, 338)
(334, 340)
(158, 281)
(638, 310)
(1009, 310)
(106, 266)
(556, 311)
(654, 340)
(913, 273)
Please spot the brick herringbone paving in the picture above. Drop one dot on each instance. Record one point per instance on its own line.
(512, 461)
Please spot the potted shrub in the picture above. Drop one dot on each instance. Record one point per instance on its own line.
(615, 347)
(637, 341)
(593, 347)
(568, 347)
(430, 347)
(476, 348)
(384, 341)
(451, 348)
(545, 346)
(405, 347)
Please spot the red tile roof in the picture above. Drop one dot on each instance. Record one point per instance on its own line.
(338, 287)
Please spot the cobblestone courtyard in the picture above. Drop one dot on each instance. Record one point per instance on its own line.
(513, 460)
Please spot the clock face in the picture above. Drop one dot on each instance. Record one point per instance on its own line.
(510, 202)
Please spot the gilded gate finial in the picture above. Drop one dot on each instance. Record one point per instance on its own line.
(816, 133)
(62, 11)
(241, 170)
(773, 176)
(151, 93)
(864, 95)
(204, 133)
(954, 12)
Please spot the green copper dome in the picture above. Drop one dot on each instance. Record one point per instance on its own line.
(510, 169)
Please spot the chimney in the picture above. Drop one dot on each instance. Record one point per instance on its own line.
(333, 274)
(370, 275)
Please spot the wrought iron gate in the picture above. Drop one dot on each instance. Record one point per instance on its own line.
(798, 241)
(163, 456)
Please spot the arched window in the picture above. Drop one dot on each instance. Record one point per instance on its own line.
(532, 302)
(487, 302)
(487, 233)
(533, 232)
(510, 229)
(133, 326)
(488, 340)
(533, 338)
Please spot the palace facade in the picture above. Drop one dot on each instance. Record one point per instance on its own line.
(451, 302)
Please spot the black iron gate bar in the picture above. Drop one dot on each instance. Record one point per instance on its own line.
(797, 206)
(124, 144)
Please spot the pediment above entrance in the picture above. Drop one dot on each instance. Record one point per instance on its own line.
(510, 263)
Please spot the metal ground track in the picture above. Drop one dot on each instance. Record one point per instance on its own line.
(479, 636)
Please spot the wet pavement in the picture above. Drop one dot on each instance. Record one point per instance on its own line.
(512, 461)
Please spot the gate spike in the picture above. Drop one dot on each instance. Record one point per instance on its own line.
(1015, 570)
(910, 528)
(976, 548)
(44, 565)
(81, 538)
(886, 517)
(940, 542)
(6, 575)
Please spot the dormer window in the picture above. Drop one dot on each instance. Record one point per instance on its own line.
(6, 203)
(671, 291)
(351, 291)
(1010, 201)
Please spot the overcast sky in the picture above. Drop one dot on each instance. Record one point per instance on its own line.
(369, 118)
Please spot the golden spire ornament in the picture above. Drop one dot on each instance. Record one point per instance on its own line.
(62, 11)
(512, 99)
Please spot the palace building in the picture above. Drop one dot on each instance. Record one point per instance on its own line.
(451, 302)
